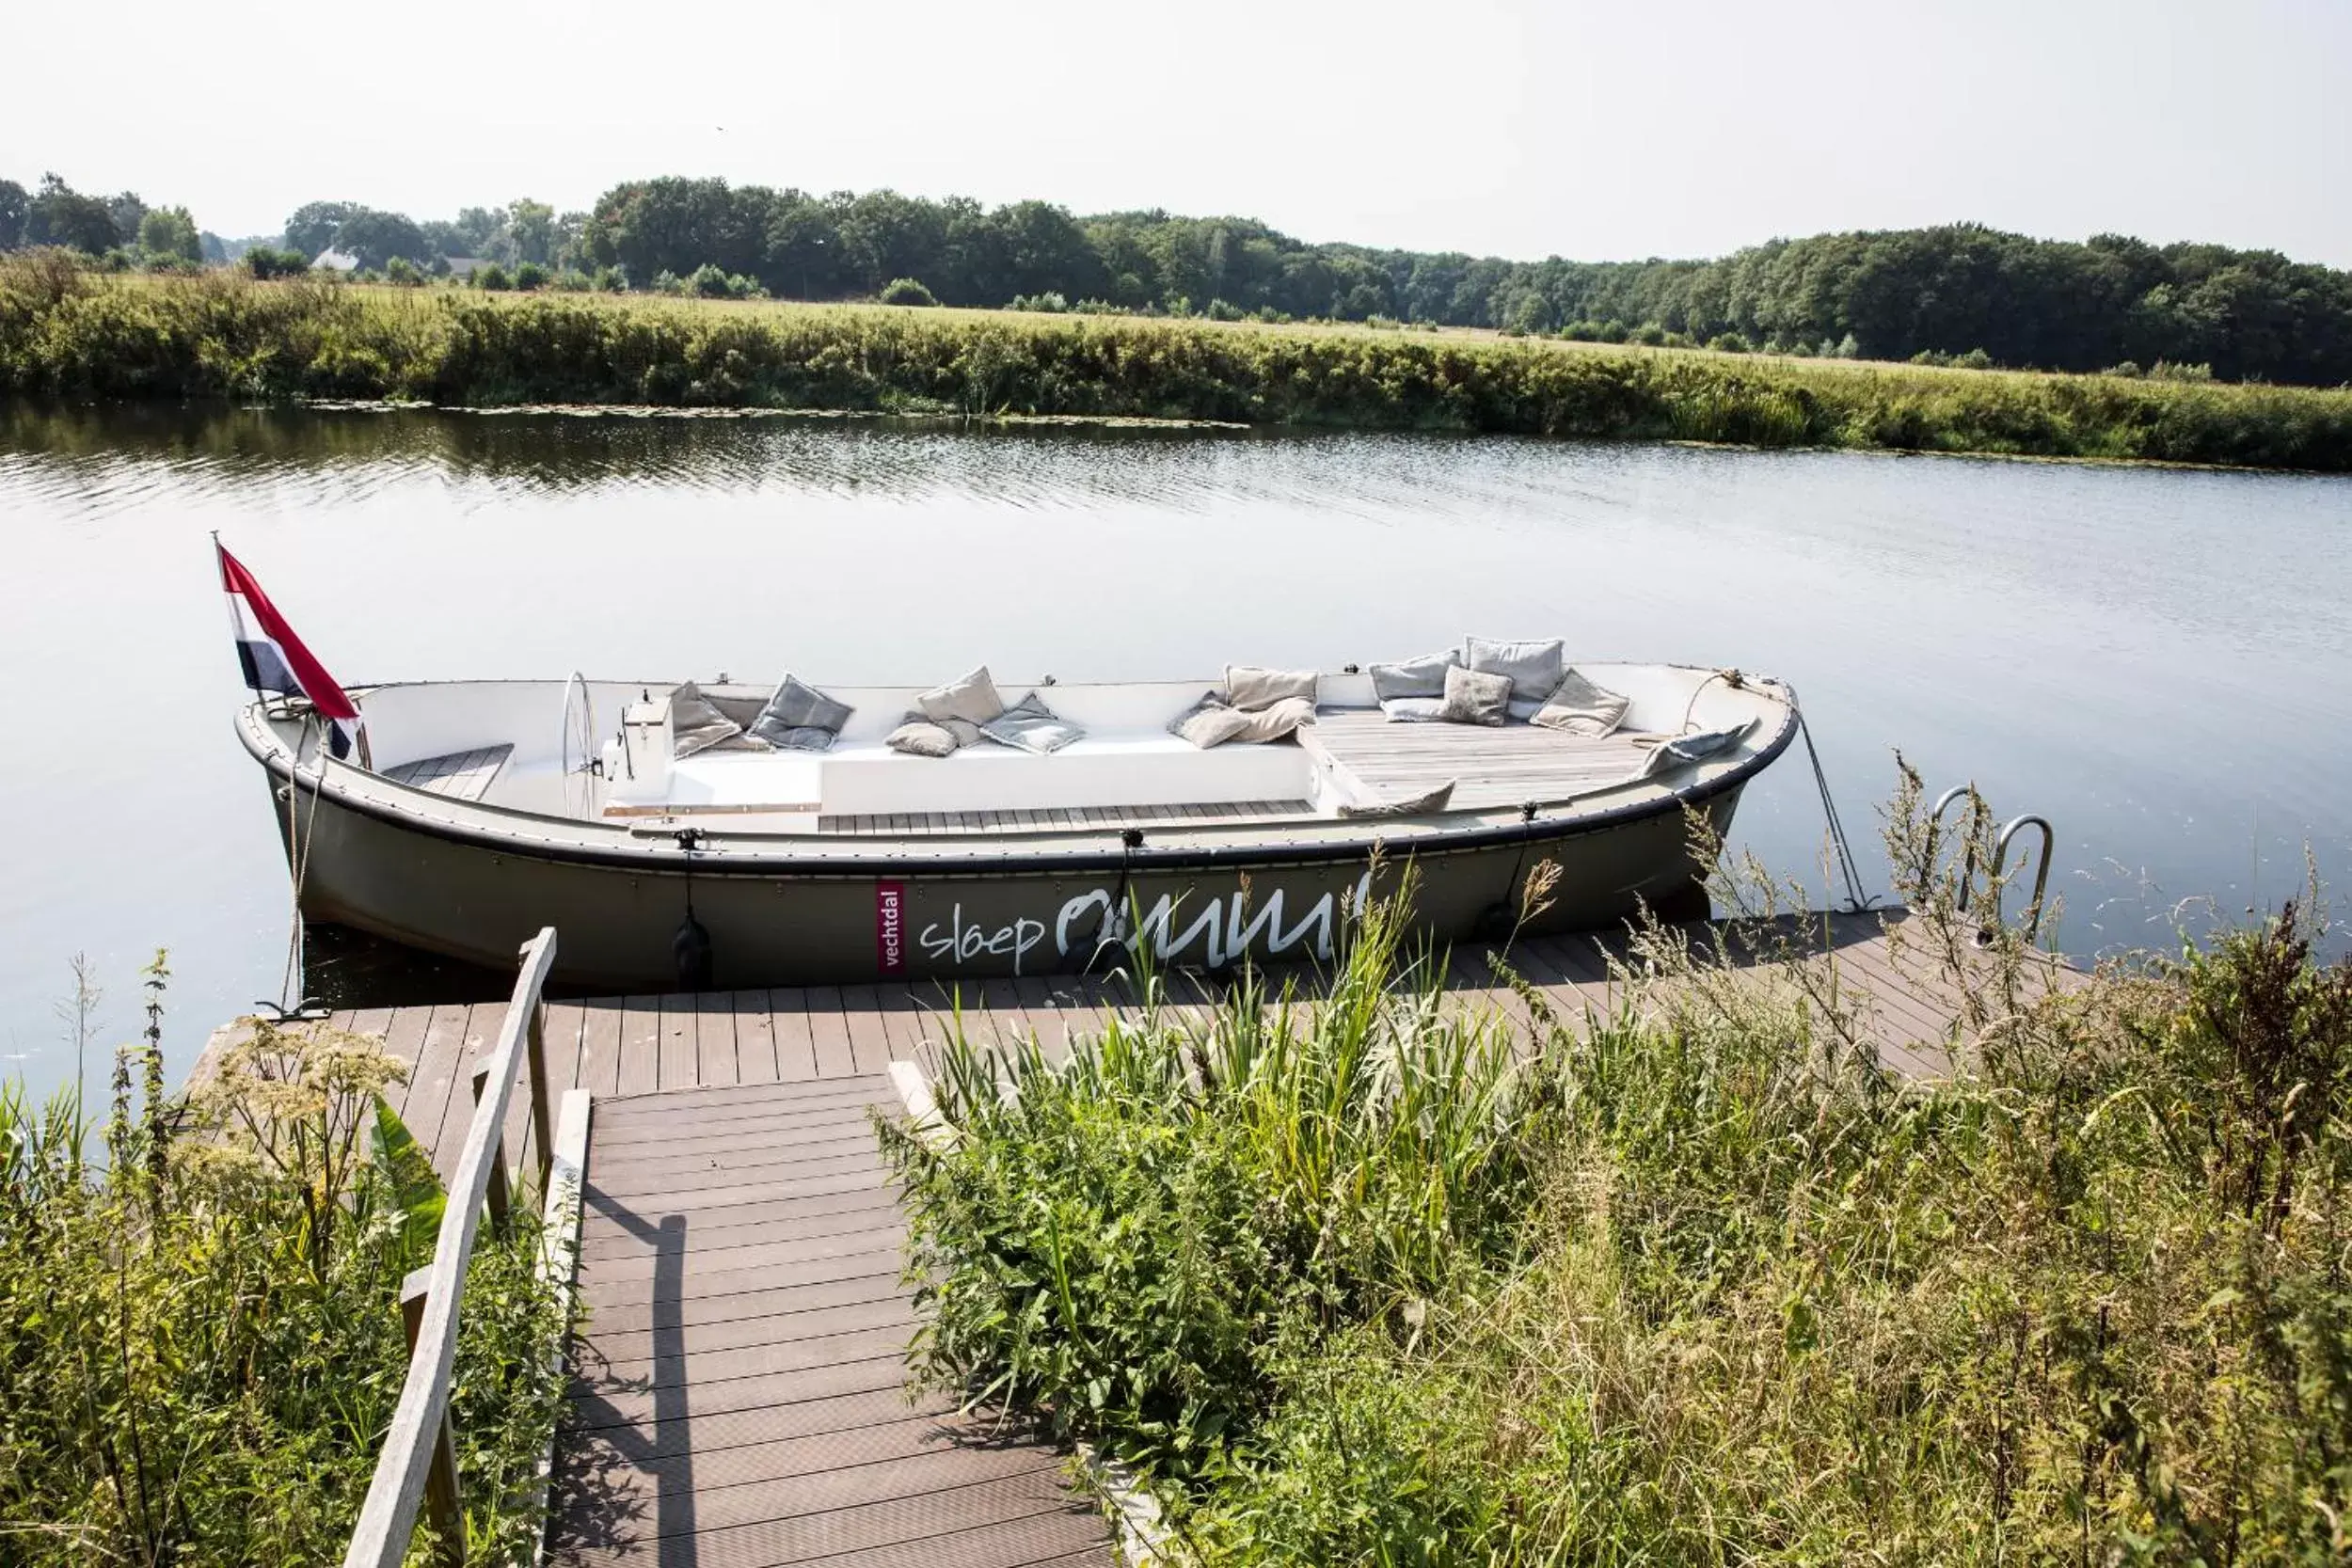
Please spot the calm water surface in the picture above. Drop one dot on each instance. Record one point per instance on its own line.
(2159, 661)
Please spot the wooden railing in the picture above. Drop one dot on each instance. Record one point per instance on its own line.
(420, 1461)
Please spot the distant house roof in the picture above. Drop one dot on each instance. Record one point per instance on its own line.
(463, 266)
(336, 260)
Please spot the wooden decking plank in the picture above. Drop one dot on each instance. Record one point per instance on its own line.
(441, 1063)
(642, 1315)
(403, 1033)
(752, 1225)
(795, 1044)
(678, 1066)
(869, 1043)
(1032, 1504)
(715, 1047)
(718, 1146)
(755, 1057)
(843, 1262)
(638, 1069)
(599, 1047)
(829, 1028)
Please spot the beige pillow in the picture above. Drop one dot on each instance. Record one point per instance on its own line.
(1210, 722)
(919, 737)
(1476, 697)
(1254, 687)
(1577, 706)
(1434, 800)
(971, 698)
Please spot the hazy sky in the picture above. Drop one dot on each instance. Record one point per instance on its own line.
(1588, 131)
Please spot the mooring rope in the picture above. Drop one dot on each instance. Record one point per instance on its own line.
(1857, 900)
(298, 833)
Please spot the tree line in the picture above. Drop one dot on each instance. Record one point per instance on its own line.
(1960, 292)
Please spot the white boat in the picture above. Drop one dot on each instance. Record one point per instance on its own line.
(495, 807)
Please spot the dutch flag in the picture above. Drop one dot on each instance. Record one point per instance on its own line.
(274, 660)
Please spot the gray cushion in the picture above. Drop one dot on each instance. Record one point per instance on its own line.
(695, 723)
(1685, 750)
(1253, 687)
(1577, 706)
(918, 736)
(1030, 725)
(1434, 800)
(972, 698)
(1534, 668)
(804, 738)
(966, 732)
(1413, 677)
(1414, 711)
(1476, 697)
(796, 705)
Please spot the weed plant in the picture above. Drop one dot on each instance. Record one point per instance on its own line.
(1702, 1280)
(200, 1341)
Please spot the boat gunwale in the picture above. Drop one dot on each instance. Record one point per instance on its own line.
(971, 856)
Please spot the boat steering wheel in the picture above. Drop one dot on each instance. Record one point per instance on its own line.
(577, 738)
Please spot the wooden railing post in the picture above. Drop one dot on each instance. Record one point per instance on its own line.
(419, 1452)
(441, 1503)
(542, 1121)
(498, 1198)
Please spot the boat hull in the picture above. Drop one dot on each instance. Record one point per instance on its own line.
(912, 918)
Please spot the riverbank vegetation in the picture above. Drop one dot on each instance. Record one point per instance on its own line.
(1696, 1283)
(66, 331)
(1957, 292)
(200, 1336)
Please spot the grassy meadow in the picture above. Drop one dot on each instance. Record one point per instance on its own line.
(66, 332)
(1374, 1282)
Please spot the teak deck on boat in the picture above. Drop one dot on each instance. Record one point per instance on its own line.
(1507, 765)
(466, 775)
(741, 1397)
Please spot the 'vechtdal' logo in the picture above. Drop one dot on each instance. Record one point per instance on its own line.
(890, 931)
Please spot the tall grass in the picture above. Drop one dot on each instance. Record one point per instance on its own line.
(1698, 1282)
(200, 1341)
(68, 332)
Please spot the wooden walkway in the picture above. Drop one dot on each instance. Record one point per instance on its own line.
(741, 1401)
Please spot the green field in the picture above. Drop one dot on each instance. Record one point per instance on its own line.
(70, 333)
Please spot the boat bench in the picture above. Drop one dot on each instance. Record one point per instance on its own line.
(867, 779)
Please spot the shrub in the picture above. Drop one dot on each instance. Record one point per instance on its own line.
(493, 276)
(1050, 303)
(262, 261)
(530, 275)
(1582, 331)
(1847, 348)
(1698, 1282)
(1974, 360)
(202, 1324)
(1219, 311)
(1650, 333)
(906, 291)
(402, 271)
(667, 282)
(2129, 370)
(2165, 370)
(609, 280)
(1728, 342)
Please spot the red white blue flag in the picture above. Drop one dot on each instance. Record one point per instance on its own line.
(274, 660)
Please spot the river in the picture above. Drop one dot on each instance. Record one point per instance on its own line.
(2160, 661)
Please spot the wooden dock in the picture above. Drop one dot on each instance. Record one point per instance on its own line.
(740, 1396)
(740, 1399)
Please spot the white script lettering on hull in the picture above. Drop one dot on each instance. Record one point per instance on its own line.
(1221, 929)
